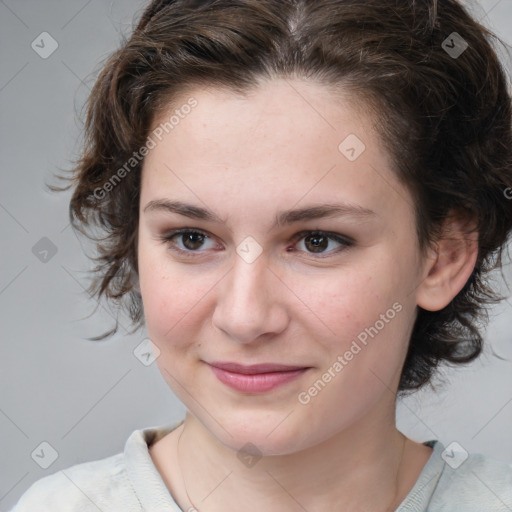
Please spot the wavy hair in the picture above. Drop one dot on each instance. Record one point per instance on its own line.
(444, 118)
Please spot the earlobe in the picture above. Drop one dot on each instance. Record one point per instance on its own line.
(449, 264)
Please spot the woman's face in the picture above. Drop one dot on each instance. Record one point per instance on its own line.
(248, 289)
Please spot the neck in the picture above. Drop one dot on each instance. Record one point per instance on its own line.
(364, 474)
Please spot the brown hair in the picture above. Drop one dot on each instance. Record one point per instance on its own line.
(445, 119)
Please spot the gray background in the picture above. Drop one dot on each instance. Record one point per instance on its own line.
(85, 398)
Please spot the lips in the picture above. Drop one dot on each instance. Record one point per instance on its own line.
(256, 378)
(255, 368)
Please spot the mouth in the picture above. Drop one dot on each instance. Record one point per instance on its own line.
(256, 378)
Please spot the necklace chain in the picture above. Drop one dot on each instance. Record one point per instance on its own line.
(195, 509)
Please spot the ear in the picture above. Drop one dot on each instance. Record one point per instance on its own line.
(449, 263)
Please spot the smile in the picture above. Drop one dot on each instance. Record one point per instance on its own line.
(256, 378)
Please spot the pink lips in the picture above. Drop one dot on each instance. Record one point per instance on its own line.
(256, 378)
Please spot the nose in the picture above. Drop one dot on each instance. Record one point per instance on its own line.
(250, 302)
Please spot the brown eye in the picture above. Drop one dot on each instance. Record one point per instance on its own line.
(188, 242)
(316, 243)
(192, 240)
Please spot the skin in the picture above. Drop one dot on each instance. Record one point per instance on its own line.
(246, 158)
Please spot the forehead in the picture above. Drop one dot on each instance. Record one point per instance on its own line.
(276, 115)
(282, 141)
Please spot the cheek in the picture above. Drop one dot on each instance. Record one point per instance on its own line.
(172, 303)
(342, 304)
(362, 364)
(173, 297)
(362, 314)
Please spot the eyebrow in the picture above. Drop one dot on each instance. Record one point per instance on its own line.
(284, 217)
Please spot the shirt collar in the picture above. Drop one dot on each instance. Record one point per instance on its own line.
(146, 481)
(154, 496)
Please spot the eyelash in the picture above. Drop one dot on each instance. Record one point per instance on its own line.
(344, 241)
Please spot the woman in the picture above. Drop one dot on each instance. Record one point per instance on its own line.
(302, 200)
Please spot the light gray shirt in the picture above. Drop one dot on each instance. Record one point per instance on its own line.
(130, 482)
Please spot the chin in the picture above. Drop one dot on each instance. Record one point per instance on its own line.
(265, 431)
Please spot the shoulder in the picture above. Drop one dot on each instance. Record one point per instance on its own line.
(454, 480)
(90, 486)
(128, 481)
(478, 483)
